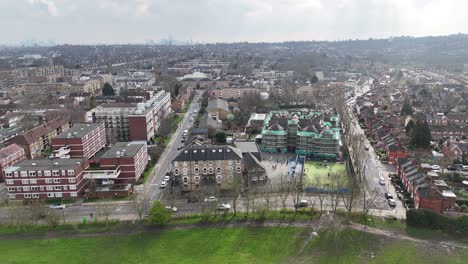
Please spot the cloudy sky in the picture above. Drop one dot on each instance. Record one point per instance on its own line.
(125, 21)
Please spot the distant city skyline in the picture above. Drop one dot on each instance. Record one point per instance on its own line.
(209, 21)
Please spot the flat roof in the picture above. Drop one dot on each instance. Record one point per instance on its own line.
(45, 164)
(247, 146)
(124, 149)
(79, 130)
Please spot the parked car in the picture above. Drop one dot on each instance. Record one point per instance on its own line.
(224, 207)
(464, 168)
(163, 184)
(400, 196)
(366, 147)
(171, 208)
(166, 178)
(211, 199)
(391, 202)
(57, 206)
(180, 147)
(388, 196)
(301, 204)
(382, 180)
(435, 167)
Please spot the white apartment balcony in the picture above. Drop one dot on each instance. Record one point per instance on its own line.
(102, 174)
(62, 152)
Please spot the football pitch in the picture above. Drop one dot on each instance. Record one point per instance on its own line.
(322, 170)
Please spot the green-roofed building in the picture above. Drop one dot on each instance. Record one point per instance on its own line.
(310, 133)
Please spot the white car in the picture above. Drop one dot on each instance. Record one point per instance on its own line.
(435, 167)
(166, 178)
(211, 199)
(171, 208)
(163, 184)
(224, 207)
(57, 206)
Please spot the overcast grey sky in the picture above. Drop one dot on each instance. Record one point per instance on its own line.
(124, 21)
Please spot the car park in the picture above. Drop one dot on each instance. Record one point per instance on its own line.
(57, 206)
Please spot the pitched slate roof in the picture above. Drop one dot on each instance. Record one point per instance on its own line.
(208, 152)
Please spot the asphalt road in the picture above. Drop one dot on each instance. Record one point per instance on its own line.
(152, 186)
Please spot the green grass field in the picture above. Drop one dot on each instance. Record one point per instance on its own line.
(227, 245)
(313, 169)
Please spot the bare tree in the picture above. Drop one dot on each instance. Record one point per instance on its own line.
(239, 189)
(13, 213)
(36, 208)
(52, 219)
(140, 204)
(284, 192)
(105, 209)
(351, 198)
(317, 182)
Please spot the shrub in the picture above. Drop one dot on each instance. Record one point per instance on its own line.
(158, 214)
(429, 219)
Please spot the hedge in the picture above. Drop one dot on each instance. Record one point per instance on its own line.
(429, 219)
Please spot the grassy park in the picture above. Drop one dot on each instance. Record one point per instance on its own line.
(317, 172)
(227, 245)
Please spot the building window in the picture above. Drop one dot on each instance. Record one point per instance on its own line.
(205, 170)
(176, 163)
(219, 161)
(184, 164)
(73, 194)
(210, 170)
(65, 187)
(9, 181)
(219, 178)
(196, 171)
(184, 171)
(229, 162)
(185, 179)
(32, 174)
(39, 173)
(210, 162)
(71, 180)
(55, 173)
(7, 174)
(57, 187)
(33, 181)
(238, 169)
(176, 171)
(70, 172)
(47, 173)
(63, 172)
(56, 180)
(238, 161)
(58, 194)
(11, 196)
(196, 162)
(218, 170)
(34, 188)
(35, 195)
(11, 189)
(50, 195)
(24, 181)
(23, 174)
(197, 179)
(41, 188)
(48, 180)
(16, 174)
(49, 188)
(27, 195)
(72, 187)
(26, 188)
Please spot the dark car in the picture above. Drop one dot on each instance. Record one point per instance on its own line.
(388, 196)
